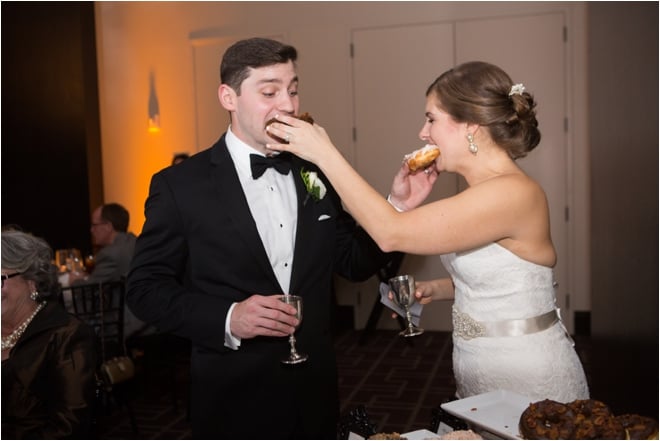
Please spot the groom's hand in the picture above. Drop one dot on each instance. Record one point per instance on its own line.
(263, 315)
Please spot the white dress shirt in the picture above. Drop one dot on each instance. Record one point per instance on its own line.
(273, 204)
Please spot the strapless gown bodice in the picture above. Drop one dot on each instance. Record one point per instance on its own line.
(492, 285)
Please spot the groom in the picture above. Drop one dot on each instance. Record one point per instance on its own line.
(219, 247)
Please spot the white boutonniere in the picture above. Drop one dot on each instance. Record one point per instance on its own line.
(314, 185)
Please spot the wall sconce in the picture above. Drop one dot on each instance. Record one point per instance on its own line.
(154, 110)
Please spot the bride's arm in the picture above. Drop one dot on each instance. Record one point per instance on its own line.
(476, 216)
(367, 206)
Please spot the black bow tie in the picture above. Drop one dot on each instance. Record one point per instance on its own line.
(259, 164)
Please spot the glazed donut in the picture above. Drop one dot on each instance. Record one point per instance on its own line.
(638, 426)
(303, 117)
(589, 409)
(547, 419)
(422, 158)
(306, 117)
(593, 420)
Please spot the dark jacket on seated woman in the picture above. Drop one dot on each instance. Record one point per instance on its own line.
(48, 382)
(48, 356)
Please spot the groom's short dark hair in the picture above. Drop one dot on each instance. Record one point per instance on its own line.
(252, 53)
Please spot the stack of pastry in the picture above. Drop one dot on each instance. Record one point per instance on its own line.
(582, 419)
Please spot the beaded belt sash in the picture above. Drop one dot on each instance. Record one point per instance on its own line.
(466, 327)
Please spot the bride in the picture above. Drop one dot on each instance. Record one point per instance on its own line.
(493, 238)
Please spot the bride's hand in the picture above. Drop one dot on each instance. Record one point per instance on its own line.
(423, 293)
(305, 140)
(411, 189)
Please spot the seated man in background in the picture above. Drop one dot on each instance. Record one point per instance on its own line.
(115, 250)
(115, 245)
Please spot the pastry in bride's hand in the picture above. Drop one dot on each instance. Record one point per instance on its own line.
(422, 158)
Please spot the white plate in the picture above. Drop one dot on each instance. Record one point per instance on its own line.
(420, 434)
(498, 411)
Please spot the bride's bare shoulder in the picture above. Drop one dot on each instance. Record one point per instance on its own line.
(510, 184)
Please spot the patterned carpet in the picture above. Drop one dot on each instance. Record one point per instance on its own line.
(399, 381)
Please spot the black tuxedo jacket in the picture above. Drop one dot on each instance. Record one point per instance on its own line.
(200, 251)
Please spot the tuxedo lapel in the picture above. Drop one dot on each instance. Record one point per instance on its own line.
(308, 245)
(233, 201)
(305, 211)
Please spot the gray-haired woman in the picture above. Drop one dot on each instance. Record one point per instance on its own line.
(48, 355)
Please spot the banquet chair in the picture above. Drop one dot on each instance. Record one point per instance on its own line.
(357, 421)
(101, 306)
(106, 318)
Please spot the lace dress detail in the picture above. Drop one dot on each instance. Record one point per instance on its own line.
(492, 285)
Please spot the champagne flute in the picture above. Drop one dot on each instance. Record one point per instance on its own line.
(403, 288)
(76, 264)
(89, 263)
(60, 260)
(294, 357)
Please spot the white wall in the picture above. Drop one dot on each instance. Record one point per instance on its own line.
(137, 38)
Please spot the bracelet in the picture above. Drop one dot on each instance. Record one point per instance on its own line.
(389, 199)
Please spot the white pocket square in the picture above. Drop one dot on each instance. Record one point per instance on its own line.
(323, 217)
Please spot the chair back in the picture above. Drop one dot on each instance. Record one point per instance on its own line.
(101, 306)
(356, 420)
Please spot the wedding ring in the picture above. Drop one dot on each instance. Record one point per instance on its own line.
(287, 137)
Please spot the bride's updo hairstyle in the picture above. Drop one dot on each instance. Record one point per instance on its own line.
(481, 93)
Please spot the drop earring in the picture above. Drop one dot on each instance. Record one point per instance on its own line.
(472, 146)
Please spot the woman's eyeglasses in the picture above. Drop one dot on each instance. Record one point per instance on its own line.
(8, 276)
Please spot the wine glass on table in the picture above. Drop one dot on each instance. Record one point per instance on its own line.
(294, 357)
(89, 262)
(403, 288)
(61, 261)
(75, 263)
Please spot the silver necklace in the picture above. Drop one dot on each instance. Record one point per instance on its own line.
(10, 341)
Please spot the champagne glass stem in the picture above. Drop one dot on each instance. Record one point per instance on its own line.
(409, 319)
(292, 342)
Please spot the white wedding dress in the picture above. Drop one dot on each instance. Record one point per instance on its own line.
(494, 285)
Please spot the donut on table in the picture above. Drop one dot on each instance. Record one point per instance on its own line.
(582, 419)
(547, 419)
(386, 435)
(593, 420)
(639, 427)
(461, 434)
